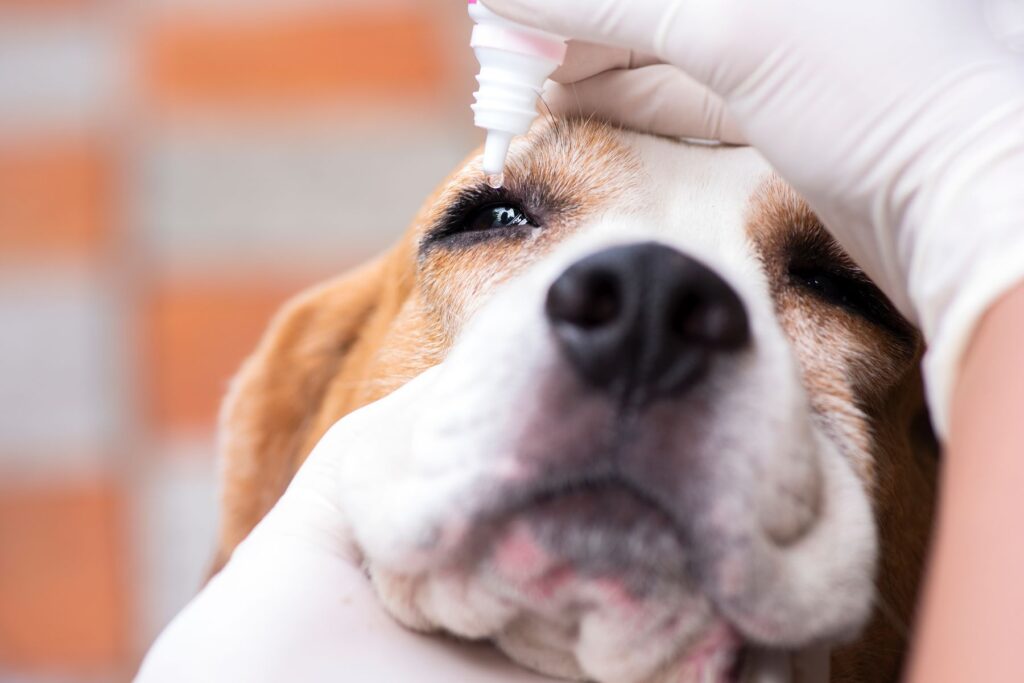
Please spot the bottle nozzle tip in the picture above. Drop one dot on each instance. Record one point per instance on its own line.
(495, 151)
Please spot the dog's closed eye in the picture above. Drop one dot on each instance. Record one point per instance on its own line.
(819, 267)
(848, 290)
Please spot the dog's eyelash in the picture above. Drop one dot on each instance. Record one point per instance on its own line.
(460, 213)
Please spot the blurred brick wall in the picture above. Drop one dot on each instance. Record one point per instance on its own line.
(170, 172)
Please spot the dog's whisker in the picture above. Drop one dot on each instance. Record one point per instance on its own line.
(547, 112)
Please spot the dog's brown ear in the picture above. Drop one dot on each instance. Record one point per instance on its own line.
(270, 412)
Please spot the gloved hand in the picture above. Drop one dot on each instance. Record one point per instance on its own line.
(901, 122)
(638, 91)
(293, 604)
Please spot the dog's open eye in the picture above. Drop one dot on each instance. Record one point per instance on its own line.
(497, 216)
(481, 213)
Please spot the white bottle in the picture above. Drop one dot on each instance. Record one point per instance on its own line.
(515, 62)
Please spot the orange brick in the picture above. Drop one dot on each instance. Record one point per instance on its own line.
(196, 336)
(312, 56)
(56, 197)
(62, 579)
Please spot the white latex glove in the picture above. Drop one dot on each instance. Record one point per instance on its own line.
(901, 122)
(293, 604)
(639, 91)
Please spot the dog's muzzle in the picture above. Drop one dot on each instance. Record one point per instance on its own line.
(619, 454)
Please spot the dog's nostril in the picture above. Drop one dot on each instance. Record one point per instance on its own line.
(727, 325)
(685, 320)
(587, 302)
(707, 312)
(721, 325)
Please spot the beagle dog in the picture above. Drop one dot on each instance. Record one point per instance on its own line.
(676, 427)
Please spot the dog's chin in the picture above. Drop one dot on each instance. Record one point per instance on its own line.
(598, 574)
(588, 582)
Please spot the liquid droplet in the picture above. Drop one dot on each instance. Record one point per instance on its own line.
(495, 180)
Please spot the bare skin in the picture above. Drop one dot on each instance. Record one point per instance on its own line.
(974, 598)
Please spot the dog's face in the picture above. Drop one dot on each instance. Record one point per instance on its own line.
(670, 412)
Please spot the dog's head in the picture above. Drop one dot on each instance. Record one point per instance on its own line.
(671, 420)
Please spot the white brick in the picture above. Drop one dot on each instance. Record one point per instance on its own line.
(60, 382)
(292, 199)
(175, 522)
(58, 72)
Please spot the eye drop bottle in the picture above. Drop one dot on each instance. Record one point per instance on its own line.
(515, 61)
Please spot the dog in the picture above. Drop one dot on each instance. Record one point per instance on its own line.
(676, 425)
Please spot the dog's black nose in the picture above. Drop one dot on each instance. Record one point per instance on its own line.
(644, 320)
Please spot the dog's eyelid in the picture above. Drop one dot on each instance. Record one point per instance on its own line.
(863, 297)
(815, 253)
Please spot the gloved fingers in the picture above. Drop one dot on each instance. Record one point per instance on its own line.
(311, 506)
(659, 99)
(584, 59)
(718, 42)
(384, 424)
(1006, 21)
(630, 24)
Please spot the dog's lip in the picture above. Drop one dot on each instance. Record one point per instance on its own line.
(547, 488)
(559, 501)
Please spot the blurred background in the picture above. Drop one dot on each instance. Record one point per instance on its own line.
(170, 172)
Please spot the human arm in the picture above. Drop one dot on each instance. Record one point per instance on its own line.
(970, 627)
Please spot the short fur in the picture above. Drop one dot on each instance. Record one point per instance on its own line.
(355, 339)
